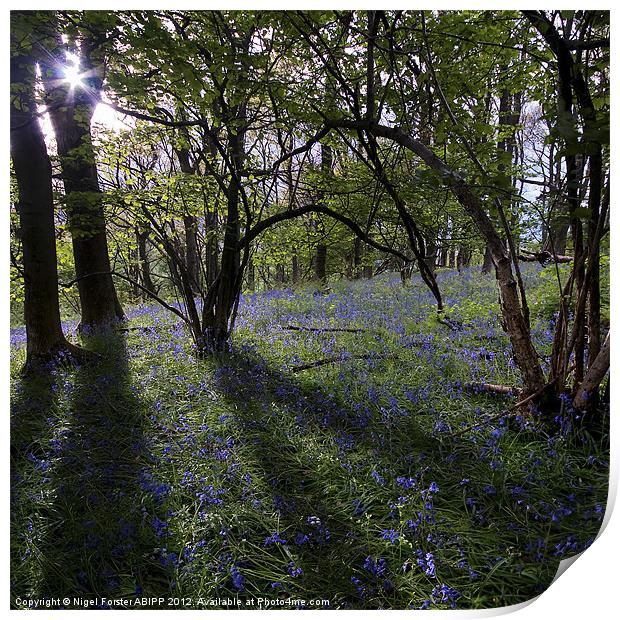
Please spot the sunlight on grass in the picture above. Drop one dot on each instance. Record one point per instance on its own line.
(153, 473)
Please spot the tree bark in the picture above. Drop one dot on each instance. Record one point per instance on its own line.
(452, 258)
(295, 268)
(431, 253)
(514, 321)
(190, 225)
(320, 259)
(143, 258)
(71, 110)
(596, 373)
(487, 261)
(218, 309)
(320, 263)
(33, 171)
(358, 250)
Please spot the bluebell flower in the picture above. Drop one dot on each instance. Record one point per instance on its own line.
(405, 482)
(391, 535)
(238, 579)
(445, 594)
(273, 539)
(293, 570)
(377, 477)
(159, 526)
(375, 567)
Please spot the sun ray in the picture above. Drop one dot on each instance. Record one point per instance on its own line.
(73, 75)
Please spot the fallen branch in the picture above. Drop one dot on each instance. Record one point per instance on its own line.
(145, 328)
(491, 387)
(455, 326)
(543, 257)
(339, 358)
(299, 328)
(514, 407)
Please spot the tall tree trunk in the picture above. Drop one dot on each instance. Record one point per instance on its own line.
(358, 253)
(190, 225)
(320, 260)
(251, 271)
(487, 261)
(431, 253)
(211, 248)
(33, 171)
(452, 258)
(145, 266)
(218, 310)
(554, 239)
(596, 373)
(71, 109)
(295, 268)
(320, 263)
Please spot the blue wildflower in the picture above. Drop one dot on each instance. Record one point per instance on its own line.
(273, 539)
(238, 579)
(391, 535)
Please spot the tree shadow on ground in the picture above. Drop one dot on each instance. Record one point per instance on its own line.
(92, 536)
(279, 415)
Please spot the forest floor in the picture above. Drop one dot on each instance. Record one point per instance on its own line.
(376, 480)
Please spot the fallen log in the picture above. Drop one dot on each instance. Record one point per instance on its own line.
(300, 328)
(544, 257)
(339, 358)
(491, 387)
(455, 326)
(493, 418)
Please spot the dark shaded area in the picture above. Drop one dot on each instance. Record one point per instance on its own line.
(97, 494)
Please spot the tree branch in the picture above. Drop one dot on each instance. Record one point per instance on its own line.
(134, 283)
(314, 208)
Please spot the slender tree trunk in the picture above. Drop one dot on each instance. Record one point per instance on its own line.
(431, 253)
(295, 268)
(554, 240)
(487, 261)
(145, 266)
(218, 311)
(211, 248)
(33, 171)
(280, 273)
(190, 224)
(451, 258)
(71, 110)
(251, 271)
(596, 373)
(320, 260)
(358, 252)
(594, 255)
(320, 263)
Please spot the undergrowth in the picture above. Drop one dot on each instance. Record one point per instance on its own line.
(364, 483)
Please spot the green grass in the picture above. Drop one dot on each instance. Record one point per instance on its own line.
(153, 473)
